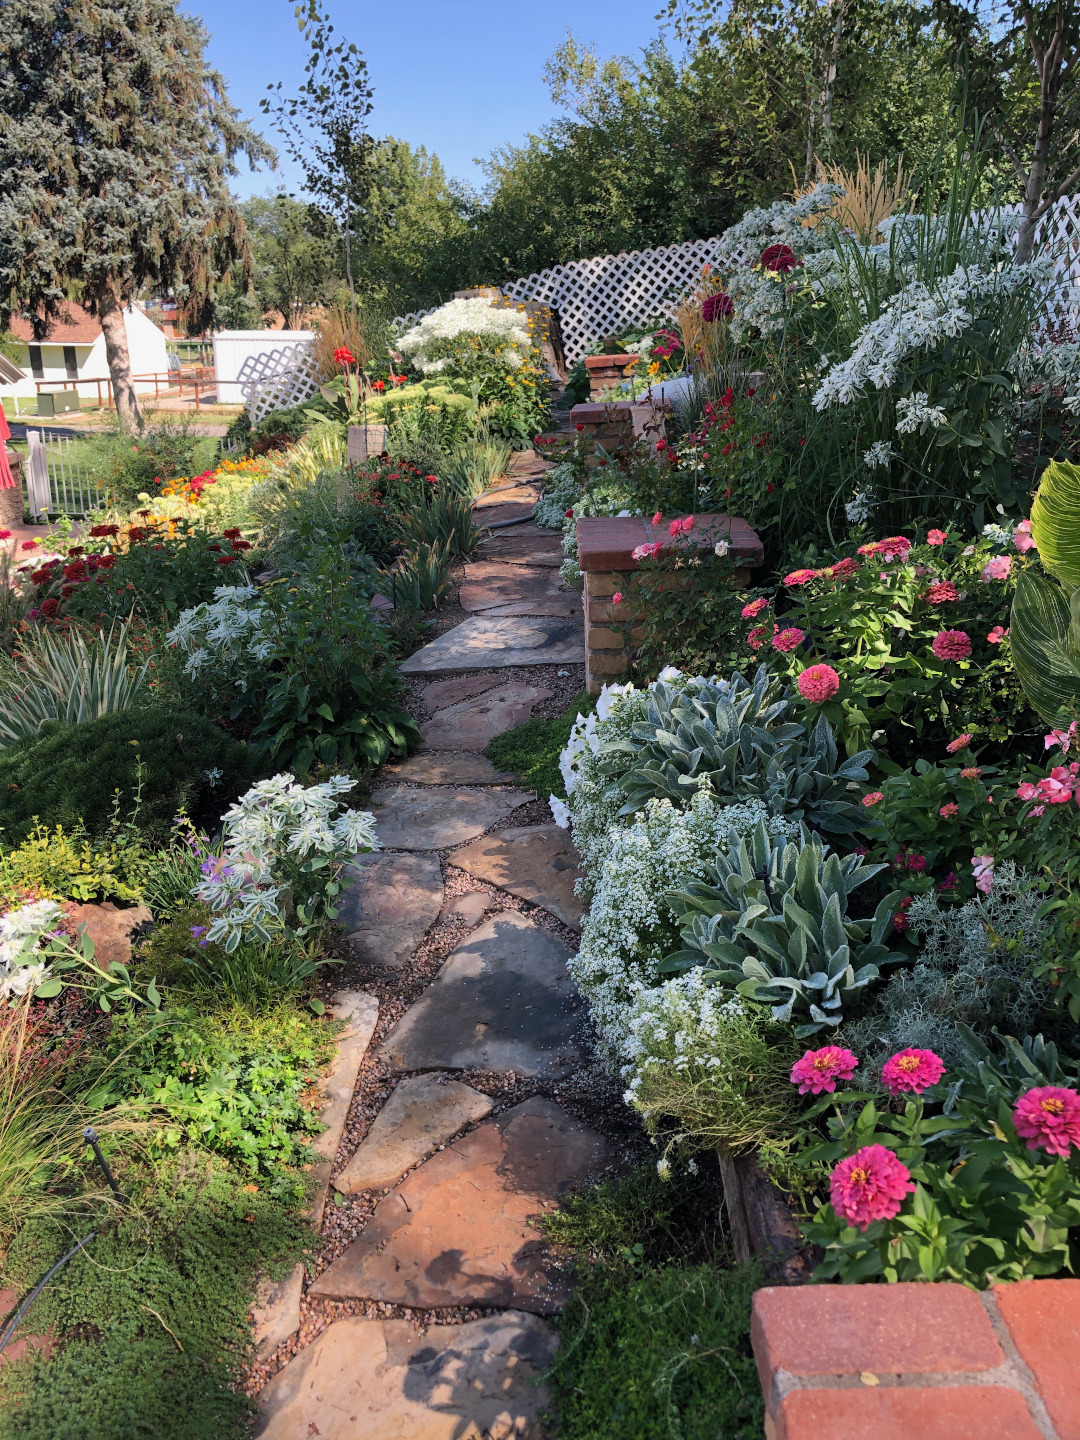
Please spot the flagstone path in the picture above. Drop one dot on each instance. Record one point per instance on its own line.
(422, 1315)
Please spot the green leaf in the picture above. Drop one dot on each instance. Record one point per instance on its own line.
(48, 988)
(1055, 521)
(1047, 667)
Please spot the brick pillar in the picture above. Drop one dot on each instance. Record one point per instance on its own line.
(920, 1362)
(605, 555)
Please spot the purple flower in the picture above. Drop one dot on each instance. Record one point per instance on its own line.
(198, 930)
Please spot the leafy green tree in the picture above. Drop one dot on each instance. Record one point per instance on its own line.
(116, 144)
(324, 126)
(295, 249)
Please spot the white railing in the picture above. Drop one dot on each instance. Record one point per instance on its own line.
(57, 478)
(277, 379)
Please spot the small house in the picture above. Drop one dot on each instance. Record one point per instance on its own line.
(72, 356)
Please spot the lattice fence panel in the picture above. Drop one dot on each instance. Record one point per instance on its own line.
(277, 379)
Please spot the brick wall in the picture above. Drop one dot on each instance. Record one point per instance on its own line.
(605, 555)
(920, 1362)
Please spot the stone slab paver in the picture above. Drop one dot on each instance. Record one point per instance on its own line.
(275, 1315)
(458, 1230)
(422, 1113)
(461, 769)
(389, 902)
(473, 724)
(360, 1012)
(441, 693)
(436, 818)
(503, 1000)
(471, 908)
(568, 604)
(511, 547)
(535, 862)
(527, 491)
(385, 1380)
(483, 642)
(535, 586)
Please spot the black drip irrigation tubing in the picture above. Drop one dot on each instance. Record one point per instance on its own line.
(90, 1136)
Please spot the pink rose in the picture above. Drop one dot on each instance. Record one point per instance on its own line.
(996, 569)
(657, 518)
(616, 599)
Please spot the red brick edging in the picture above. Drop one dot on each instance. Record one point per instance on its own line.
(920, 1362)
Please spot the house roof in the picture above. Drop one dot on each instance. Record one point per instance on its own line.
(75, 327)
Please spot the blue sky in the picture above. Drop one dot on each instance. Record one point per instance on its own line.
(459, 76)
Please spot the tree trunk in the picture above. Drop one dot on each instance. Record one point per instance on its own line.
(1048, 62)
(348, 258)
(110, 313)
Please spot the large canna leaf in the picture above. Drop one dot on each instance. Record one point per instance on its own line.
(1055, 522)
(1047, 664)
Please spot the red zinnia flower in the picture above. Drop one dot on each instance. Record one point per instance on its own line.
(780, 258)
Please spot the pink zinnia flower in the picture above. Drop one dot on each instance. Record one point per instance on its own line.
(873, 798)
(914, 1070)
(970, 772)
(657, 518)
(996, 569)
(843, 569)
(788, 639)
(997, 635)
(948, 811)
(982, 867)
(936, 537)
(1022, 537)
(958, 744)
(819, 1070)
(951, 645)
(869, 1185)
(800, 577)
(756, 638)
(818, 683)
(1048, 1118)
(942, 593)
(754, 608)
(894, 546)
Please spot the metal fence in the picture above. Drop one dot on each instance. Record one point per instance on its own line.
(57, 477)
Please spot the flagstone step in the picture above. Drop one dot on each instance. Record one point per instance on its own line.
(389, 901)
(459, 1231)
(473, 724)
(535, 862)
(484, 642)
(423, 1112)
(435, 819)
(386, 1380)
(463, 768)
(503, 1000)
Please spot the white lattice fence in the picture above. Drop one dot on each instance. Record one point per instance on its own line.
(277, 379)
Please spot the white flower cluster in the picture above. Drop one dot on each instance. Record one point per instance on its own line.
(861, 506)
(681, 1023)
(920, 318)
(1054, 367)
(21, 934)
(914, 412)
(225, 634)
(630, 927)
(275, 825)
(880, 454)
(593, 802)
(475, 316)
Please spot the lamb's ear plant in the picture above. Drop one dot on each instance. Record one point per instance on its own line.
(772, 924)
(727, 738)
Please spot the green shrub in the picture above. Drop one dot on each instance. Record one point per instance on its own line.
(156, 761)
(70, 865)
(66, 677)
(532, 750)
(126, 466)
(153, 1321)
(232, 1081)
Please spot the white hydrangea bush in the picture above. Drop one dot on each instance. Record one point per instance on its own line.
(283, 851)
(630, 927)
(475, 316)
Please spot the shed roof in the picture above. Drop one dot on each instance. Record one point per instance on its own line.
(75, 327)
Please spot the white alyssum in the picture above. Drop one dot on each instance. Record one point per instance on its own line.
(680, 1023)
(273, 829)
(475, 316)
(630, 928)
(21, 934)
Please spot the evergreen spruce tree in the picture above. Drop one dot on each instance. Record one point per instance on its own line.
(116, 144)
